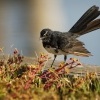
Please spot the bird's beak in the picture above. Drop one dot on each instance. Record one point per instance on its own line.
(41, 38)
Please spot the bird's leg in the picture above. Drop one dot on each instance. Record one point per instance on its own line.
(53, 59)
(65, 57)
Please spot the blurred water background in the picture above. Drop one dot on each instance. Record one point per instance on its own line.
(22, 20)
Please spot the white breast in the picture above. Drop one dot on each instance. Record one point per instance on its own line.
(52, 50)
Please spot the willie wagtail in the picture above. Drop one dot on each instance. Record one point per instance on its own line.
(64, 43)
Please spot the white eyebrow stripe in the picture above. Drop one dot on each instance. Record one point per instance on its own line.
(46, 32)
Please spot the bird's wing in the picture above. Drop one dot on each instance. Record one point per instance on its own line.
(76, 47)
(80, 51)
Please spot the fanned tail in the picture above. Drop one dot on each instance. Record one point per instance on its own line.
(87, 22)
(94, 25)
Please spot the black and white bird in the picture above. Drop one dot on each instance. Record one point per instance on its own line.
(64, 43)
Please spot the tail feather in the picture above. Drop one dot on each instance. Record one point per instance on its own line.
(83, 22)
(94, 25)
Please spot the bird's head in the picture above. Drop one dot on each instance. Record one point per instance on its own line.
(45, 35)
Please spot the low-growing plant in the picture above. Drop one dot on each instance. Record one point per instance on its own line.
(22, 81)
